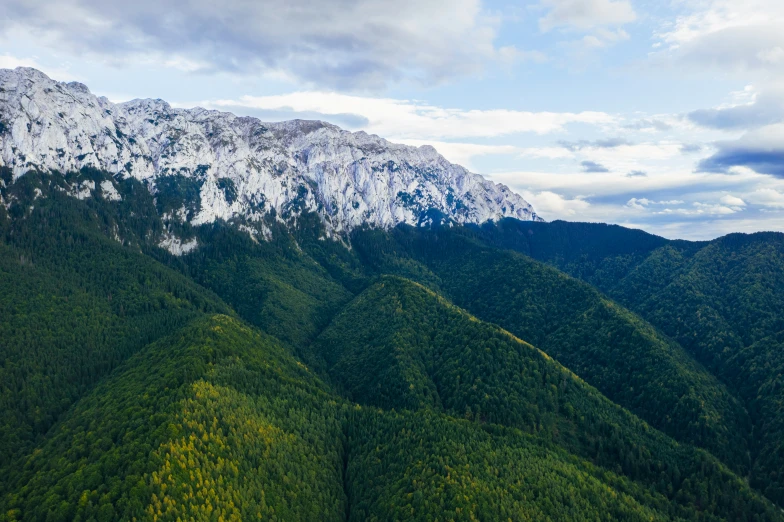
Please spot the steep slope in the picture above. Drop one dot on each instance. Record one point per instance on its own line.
(219, 421)
(427, 354)
(216, 421)
(239, 167)
(721, 300)
(74, 305)
(724, 305)
(625, 358)
(274, 284)
(425, 466)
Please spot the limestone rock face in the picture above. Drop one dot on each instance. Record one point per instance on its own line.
(241, 167)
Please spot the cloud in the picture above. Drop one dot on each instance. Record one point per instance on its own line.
(62, 73)
(766, 197)
(730, 35)
(346, 44)
(608, 143)
(637, 174)
(638, 204)
(689, 148)
(641, 203)
(410, 119)
(586, 14)
(545, 152)
(552, 205)
(732, 201)
(760, 150)
(649, 125)
(765, 109)
(463, 153)
(592, 166)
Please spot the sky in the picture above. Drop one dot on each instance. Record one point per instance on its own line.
(665, 115)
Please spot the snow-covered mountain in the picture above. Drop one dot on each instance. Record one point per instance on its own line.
(240, 167)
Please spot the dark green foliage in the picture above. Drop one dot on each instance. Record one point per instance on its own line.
(427, 354)
(215, 420)
(425, 466)
(123, 396)
(176, 192)
(721, 300)
(229, 189)
(609, 347)
(275, 285)
(73, 307)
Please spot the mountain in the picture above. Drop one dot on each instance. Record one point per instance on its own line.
(221, 166)
(720, 300)
(160, 364)
(608, 346)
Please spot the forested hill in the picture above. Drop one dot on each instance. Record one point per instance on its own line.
(721, 300)
(416, 373)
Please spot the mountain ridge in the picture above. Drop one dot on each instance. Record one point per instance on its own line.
(236, 167)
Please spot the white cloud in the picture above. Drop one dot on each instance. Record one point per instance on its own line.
(642, 203)
(732, 201)
(411, 119)
(586, 14)
(551, 205)
(766, 197)
(545, 152)
(463, 153)
(729, 34)
(61, 73)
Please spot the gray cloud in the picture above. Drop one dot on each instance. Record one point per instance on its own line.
(608, 143)
(761, 151)
(592, 166)
(767, 109)
(637, 174)
(346, 44)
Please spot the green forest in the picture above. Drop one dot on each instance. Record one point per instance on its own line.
(509, 371)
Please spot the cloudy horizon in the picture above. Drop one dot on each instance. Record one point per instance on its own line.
(665, 116)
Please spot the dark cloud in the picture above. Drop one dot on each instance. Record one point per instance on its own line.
(651, 124)
(608, 143)
(761, 161)
(637, 174)
(346, 44)
(762, 151)
(767, 109)
(592, 166)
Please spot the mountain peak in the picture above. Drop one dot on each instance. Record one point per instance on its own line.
(241, 168)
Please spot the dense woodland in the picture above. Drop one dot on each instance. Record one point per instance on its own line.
(514, 371)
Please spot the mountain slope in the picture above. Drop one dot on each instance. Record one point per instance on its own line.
(215, 420)
(219, 421)
(721, 300)
(74, 305)
(608, 346)
(428, 354)
(239, 167)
